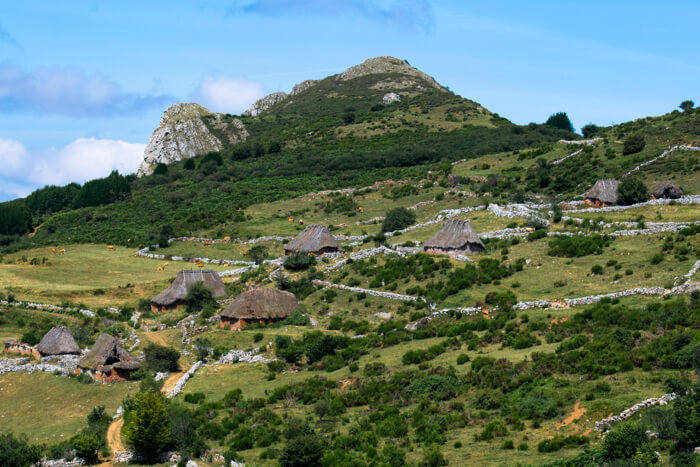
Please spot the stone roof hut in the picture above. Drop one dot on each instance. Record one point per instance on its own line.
(174, 296)
(108, 360)
(603, 192)
(316, 239)
(456, 236)
(666, 189)
(58, 341)
(258, 305)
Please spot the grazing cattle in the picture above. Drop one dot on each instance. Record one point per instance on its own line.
(207, 243)
(301, 222)
(110, 247)
(290, 219)
(159, 268)
(53, 250)
(61, 251)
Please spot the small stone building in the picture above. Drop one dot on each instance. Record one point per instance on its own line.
(666, 189)
(456, 236)
(262, 306)
(316, 239)
(108, 361)
(174, 296)
(12, 345)
(58, 341)
(603, 193)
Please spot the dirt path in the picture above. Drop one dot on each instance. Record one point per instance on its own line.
(170, 381)
(156, 338)
(575, 414)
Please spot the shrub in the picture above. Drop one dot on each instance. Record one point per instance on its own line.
(631, 190)
(536, 235)
(189, 164)
(560, 120)
(397, 219)
(302, 451)
(195, 397)
(597, 269)
(633, 144)
(30, 337)
(258, 336)
(623, 442)
(657, 258)
(86, 446)
(17, 452)
(578, 245)
(160, 358)
(590, 130)
(298, 262)
(493, 429)
(560, 442)
(161, 169)
(198, 297)
(507, 444)
(435, 387)
(462, 359)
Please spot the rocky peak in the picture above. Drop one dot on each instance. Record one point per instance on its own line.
(182, 134)
(386, 64)
(265, 103)
(303, 86)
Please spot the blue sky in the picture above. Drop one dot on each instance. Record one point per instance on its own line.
(83, 83)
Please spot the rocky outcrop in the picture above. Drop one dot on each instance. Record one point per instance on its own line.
(303, 86)
(265, 103)
(390, 98)
(385, 64)
(182, 134)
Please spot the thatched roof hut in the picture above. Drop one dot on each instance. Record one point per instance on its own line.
(455, 235)
(259, 305)
(58, 341)
(175, 294)
(108, 359)
(666, 189)
(604, 191)
(315, 239)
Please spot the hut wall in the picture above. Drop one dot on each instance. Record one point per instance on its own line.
(159, 308)
(238, 324)
(107, 376)
(23, 349)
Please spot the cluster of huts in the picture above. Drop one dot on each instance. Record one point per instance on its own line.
(604, 192)
(107, 361)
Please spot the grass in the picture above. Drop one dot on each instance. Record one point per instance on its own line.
(86, 273)
(50, 409)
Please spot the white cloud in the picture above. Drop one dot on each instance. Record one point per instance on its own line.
(228, 94)
(78, 161)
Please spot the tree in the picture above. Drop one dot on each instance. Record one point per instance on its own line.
(302, 451)
(189, 165)
(198, 297)
(633, 144)
(166, 233)
(17, 452)
(623, 442)
(258, 254)
(631, 190)
(86, 446)
(687, 105)
(161, 358)
(161, 169)
(397, 219)
(146, 424)
(590, 130)
(560, 120)
(15, 218)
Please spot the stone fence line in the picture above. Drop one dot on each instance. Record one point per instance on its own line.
(668, 151)
(604, 424)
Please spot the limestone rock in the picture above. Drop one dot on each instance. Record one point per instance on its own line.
(303, 86)
(386, 65)
(180, 135)
(265, 103)
(390, 98)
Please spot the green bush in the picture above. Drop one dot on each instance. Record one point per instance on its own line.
(17, 452)
(623, 441)
(493, 429)
(198, 297)
(86, 446)
(298, 262)
(398, 219)
(633, 144)
(462, 359)
(578, 245)
(160, 358)
(631, 190)
(302, 451)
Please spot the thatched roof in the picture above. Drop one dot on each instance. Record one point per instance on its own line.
(666, 189)
(455, 235)
(262, 304)
(313, 239)
(604, 191)
(108, 353)
(185, 278)
(58, 341)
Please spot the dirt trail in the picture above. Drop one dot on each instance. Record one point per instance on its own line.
(156, 338)
(169, 383)
(575, 414)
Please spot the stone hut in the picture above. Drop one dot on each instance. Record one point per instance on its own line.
(604, 192)
(58, 341)
(174, 296)
(108, 361)
(456, 236)
(262, 306)
(15, 346)
(315, 239)
(666, 189)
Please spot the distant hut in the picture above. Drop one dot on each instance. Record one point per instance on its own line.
(174, 296)
(315, 239)
(262, 306)
(603, 192)
(58, 341)
(108, 361)
(666, 189)
(456, 236)
(15, 346)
